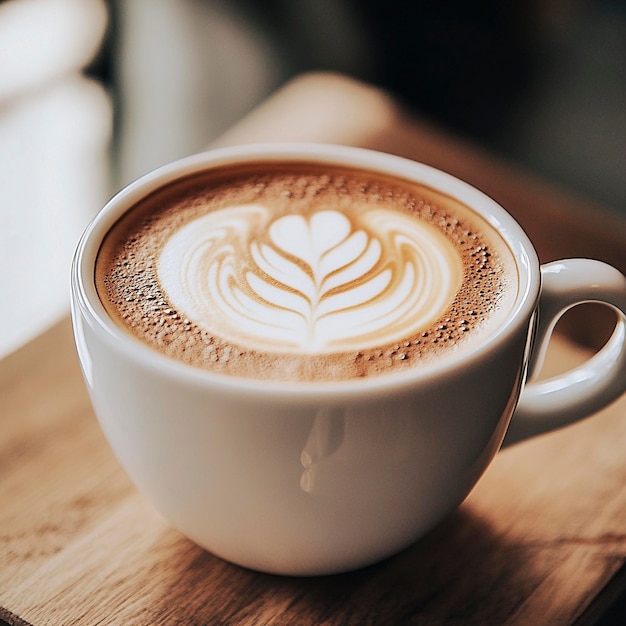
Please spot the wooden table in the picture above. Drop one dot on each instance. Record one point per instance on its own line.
(541, 539)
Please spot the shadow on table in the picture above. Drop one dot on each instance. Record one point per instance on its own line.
(453, 574)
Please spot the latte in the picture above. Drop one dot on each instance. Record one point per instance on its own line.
(295, 271)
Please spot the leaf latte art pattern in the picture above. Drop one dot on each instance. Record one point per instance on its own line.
(316, 283)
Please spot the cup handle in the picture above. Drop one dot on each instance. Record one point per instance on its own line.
(564, 399)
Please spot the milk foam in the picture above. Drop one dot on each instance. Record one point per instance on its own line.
(318, 273)
(319, 282)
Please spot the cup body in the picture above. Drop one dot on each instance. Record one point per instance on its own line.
(303, 478)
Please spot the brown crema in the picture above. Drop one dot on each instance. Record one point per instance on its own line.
(128, 282)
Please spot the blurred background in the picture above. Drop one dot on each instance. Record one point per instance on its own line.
(94, 93)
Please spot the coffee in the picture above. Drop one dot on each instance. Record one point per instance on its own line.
(296, 271)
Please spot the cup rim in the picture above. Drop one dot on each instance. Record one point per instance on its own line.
(86, 302)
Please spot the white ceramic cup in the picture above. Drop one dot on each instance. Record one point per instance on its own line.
(323, 477)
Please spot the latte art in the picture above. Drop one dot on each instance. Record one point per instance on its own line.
(314, 283)
(298, 271)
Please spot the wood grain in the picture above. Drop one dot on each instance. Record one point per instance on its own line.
(535, 542)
